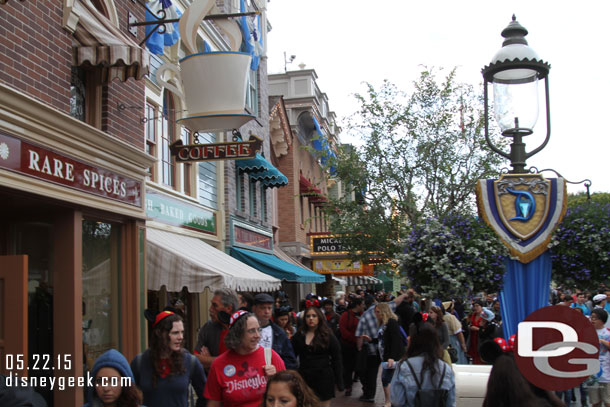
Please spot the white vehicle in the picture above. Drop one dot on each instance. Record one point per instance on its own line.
(471, 384)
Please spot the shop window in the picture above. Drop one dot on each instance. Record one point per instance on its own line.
(187, 168)
(168, 130)
(252, 93)
(150, 129)
(252, 197)
(239, 191)
(101, 271)
(263, 204)
(208, 184)
(86, 96)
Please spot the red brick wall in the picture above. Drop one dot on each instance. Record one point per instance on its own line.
(35, 52)
(298, 160)
(36, 59)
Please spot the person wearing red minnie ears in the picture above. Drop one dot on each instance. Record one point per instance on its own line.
(239, 376)
(165, 370)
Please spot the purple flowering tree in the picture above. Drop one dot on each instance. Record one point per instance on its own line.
(581, 246)
(456, 255)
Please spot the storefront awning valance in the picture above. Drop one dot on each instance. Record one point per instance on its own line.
(103, 45)
(276, 267)
(177, 261)
(314, 194)
(260, 169)
(362, 280)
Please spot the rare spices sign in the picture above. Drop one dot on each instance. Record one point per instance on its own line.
(35, 161)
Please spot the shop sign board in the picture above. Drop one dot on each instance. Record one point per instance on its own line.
(39, 162)
(338, 267)
(243, 236)
(327, 244)
(233, 150)
(168, 210)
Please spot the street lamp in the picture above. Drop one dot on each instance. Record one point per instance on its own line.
(514, 72)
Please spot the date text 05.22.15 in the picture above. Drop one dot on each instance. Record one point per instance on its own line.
(43, 361)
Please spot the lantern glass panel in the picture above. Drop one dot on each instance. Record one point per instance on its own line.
(515, 96)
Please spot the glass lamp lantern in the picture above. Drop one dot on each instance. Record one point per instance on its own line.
(514, 72)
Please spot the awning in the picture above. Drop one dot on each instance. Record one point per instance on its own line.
(362, 280)
(283, 256)
(177, 261)
(274, 266)
(103, 45)
(259, 169)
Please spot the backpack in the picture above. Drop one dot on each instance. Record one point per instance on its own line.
(430, 397)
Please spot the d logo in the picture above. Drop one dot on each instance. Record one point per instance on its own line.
(557, 348)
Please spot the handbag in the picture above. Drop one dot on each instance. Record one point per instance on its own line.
(453, 353)
(360, 365)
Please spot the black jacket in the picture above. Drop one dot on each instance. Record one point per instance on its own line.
(282, 346)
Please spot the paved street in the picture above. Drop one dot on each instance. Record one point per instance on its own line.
(352, 401)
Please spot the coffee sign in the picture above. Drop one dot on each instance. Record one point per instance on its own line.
(234, 150)
(38, 162)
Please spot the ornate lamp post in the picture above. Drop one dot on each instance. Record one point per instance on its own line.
(522, 207)
(514, 72)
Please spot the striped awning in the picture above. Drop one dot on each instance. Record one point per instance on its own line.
(176, 261)
(362, 280)
(103, 45)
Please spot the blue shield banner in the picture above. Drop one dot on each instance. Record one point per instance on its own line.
(523, 210)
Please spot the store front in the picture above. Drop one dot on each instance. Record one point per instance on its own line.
(185, 264)
(71, 233)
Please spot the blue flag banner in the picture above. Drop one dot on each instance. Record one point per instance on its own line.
(526, 289)
(157, 41)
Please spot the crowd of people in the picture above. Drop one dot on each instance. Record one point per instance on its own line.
(257, 351)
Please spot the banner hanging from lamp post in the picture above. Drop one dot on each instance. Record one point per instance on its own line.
(524, 210)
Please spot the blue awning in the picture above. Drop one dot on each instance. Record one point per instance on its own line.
(259, 169)
(274, 266)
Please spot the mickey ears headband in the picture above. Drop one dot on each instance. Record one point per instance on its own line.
(310, 303)
(154, 316)
(161, 316)
(236, 316)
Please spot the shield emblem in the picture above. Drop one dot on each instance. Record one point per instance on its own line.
(524, 210)
(523, 203)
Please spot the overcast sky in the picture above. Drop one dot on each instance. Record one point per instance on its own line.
(349, 42)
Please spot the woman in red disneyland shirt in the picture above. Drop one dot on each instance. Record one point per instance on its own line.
(238, 377)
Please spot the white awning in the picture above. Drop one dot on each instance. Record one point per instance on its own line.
(340, 281)
(177, 261)
(362, 280)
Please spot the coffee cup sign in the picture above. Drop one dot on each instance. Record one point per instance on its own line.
(212, 85)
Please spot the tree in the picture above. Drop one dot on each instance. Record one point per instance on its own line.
(582, 198)
(421, 155)
(453, 256)
(580, 248)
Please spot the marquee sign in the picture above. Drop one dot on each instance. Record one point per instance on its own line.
(342, 267)
(524, 210)
(232, 150)
(327, 244)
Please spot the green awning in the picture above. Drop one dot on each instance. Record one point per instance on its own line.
(274, 266)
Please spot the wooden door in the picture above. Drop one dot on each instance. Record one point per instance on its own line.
(14, 314)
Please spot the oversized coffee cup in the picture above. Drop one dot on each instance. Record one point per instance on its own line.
(211, 84)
